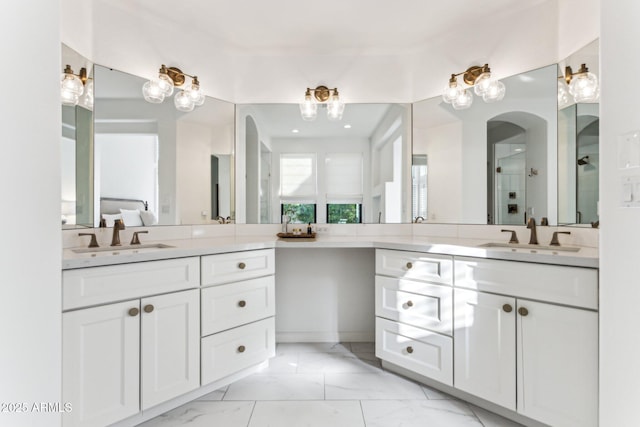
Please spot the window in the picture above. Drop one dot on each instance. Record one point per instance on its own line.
(344, 213)
(419, 187)
(299, 213)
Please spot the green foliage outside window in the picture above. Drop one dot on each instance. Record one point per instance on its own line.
(300, 213)
(344, 213)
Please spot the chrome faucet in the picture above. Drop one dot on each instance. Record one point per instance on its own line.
(118, 225)
(418, 220)
(531, 224)
(285, 222)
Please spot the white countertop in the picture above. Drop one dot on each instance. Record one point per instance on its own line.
(585, 257)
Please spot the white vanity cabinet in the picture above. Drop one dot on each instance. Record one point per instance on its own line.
(413, 301)
(538, 358)
(238, 309)
(120, 358)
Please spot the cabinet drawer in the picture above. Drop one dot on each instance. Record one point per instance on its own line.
(421, 351)
(233, 350)
(235, 304)
(415, 265)
(553, 283)
(99, 285)
(231, 267)
(416, 303)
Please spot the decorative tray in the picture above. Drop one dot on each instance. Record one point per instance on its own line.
(296, 236)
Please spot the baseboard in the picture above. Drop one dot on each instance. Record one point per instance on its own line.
(293, 337)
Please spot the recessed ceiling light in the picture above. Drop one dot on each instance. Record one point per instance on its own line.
(295, 130)
(347, 126)
(517, 150)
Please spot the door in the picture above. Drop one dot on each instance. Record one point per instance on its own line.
(485, 346)
(170, 346)
(558, 364)
(101, 356)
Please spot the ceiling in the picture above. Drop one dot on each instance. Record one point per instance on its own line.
(257, 51)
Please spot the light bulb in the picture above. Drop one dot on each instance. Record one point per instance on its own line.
(164, 82)
(183, 101)
(463, 101)
(68, 98)
(482, 83)
(494, 92)
(194, 92)
(88, 96)
(152, 92)
(563, 94)
(71, 87)
(308, 108)
(452, 90)
(584, 87)
(335, 107)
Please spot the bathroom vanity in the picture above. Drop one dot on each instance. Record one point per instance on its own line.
(511, 330)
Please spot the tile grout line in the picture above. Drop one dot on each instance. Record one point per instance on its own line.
(476, 415)
(251, 415)
(364, 420)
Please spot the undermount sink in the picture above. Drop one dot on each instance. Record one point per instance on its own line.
(117, 249)
(515, 246)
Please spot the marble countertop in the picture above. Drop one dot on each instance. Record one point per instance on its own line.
(585, 257)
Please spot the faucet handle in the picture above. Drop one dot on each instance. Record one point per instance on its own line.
(135, 240)
(531, 222)
(94, 242)
(554, 238)
(514, 237)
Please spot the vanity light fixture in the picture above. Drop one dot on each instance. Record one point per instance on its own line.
(483, 84)
(583, 85)
(155, 90)
(73, 86)
(325, 96)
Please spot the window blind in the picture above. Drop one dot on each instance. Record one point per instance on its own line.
(343, 177)
(298, 177)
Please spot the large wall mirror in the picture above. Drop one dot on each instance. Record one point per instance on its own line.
(130, 155)
(355, 170)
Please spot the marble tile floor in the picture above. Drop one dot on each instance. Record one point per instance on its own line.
(327, 385)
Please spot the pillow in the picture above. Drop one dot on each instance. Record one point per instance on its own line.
(110, 219)
(131, 217)
(148, 218)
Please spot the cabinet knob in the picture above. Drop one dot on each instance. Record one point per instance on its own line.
(523, 311)
(409, 266)
(242, 303)
(133, 312)
(409, 349)
(241, 349)
(409, 303)
(507, 308)
(148, 308)
(242, 266)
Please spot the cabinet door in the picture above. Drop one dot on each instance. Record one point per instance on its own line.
(170, 359)
(558, 373)
(485, 346)
(101, 356)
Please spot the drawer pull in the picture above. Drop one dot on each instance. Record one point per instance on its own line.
(242, 266)
(133, 312)
(241, 349)
(409, 266)
(409, 303)
(507, 308)
(523, 311)
(242, 303)
(409, 349)
(148, 308)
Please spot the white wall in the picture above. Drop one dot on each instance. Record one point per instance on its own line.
(620, 233)
(30, 249)
(193, 172)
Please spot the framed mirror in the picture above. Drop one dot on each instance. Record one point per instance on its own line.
(493, 163)
(76, 144)
(349, 171)
(170, 166)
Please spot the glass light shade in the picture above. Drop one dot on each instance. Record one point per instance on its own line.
(88, 96)
(563, 94)
(165, 84)
(495, 92)
(68, 98)
(152, 92)
(584, 87)
(308, 109)
(482, 83)
(463, 101)
(335, 108)
(71, 83)
(183, 101)
(451, 92)
(196, 95)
